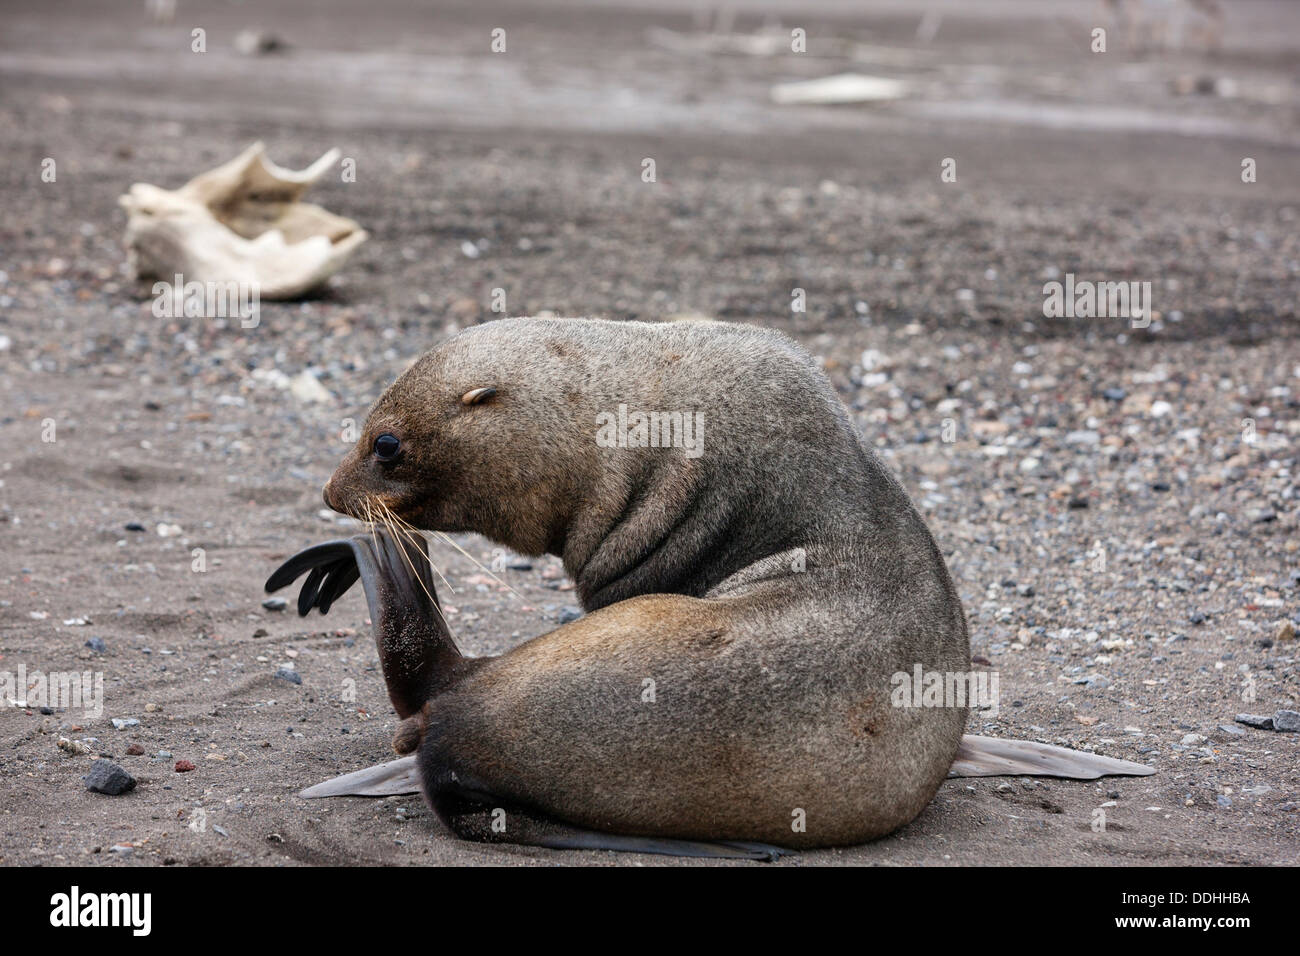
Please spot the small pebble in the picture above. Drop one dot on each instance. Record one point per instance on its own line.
(107, 777)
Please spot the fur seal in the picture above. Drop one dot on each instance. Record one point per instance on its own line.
(754, 579)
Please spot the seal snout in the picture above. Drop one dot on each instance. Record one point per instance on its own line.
(325, 495)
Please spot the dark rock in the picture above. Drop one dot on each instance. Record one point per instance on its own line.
(1287, 721)
(275, 604)
(289, 674)
(107, 777)
(134, 526)
(1257, 721)
(1114, 394)
(97, 645)
(569, 614)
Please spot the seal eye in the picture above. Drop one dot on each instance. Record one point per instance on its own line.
(387, 446)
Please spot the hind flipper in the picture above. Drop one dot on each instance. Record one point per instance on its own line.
(382, 780)
(990, 757)
(416, 649)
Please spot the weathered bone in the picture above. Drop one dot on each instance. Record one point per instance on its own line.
(241, 222)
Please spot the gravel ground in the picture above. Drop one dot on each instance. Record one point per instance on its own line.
(1118, 506)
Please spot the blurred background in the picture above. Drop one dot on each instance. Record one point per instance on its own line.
(1059, 150)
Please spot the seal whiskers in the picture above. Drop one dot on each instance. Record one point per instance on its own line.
(401, 529)
(397, 524)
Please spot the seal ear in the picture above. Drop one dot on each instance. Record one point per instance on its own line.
(477, 396)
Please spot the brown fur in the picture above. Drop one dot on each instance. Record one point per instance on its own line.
(771, 684)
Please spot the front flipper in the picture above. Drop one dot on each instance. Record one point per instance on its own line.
(484, 818)
(472, 819)
(416, 650)
(989, 757)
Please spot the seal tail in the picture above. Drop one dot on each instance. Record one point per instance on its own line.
(989, 757)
